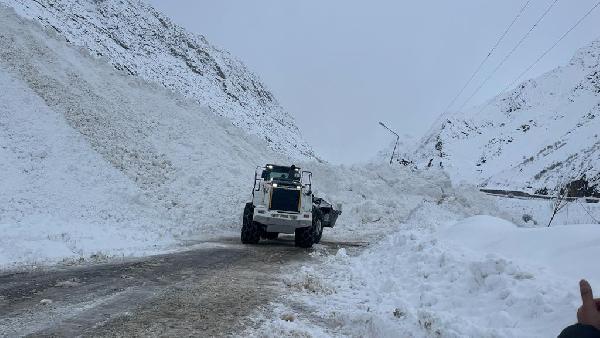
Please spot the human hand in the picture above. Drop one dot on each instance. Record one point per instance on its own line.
(589, 312)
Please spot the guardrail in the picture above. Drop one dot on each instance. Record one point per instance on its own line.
(525, 195)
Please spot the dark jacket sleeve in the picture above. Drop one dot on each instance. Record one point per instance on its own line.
(580, 331)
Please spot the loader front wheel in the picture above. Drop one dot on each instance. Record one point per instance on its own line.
(306, 237)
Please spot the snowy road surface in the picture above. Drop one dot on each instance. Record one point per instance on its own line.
(208, 291)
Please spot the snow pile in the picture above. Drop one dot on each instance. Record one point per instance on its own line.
(537, 135)
(135, 38)
(445, 276)
(375, 197)
(97, 162)
(563, 250)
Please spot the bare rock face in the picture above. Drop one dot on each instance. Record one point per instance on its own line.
(544, 132)
(137, 39)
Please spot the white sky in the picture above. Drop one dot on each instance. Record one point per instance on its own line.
(340, 66)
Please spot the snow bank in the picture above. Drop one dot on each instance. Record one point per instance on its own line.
(442, 275)
(374, 197)
(565, 250)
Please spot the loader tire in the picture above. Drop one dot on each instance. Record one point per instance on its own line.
(250, 229)
(306, 237)
(318, 217)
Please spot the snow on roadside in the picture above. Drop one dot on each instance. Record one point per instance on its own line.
(441, 275)
(562, 250)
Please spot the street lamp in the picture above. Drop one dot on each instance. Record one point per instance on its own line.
(397, 139)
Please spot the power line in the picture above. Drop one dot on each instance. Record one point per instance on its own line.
(579, 21)
(554, 45)
(509, 54)
(488, 55)
(544, 53)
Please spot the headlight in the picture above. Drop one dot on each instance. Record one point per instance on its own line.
(299, 187)
(274, 185)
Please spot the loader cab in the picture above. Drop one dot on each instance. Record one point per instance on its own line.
(276, 173)
(284, 176)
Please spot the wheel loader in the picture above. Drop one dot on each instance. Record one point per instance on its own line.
(283, 203)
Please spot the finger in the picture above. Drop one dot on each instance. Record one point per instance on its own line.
(587, 296)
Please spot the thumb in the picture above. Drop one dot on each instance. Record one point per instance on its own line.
(587, 296)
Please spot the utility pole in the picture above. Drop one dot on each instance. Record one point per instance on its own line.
(397, 139)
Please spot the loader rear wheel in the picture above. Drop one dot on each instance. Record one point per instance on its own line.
(250, 229)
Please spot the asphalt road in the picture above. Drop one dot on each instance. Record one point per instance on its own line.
(201, 292)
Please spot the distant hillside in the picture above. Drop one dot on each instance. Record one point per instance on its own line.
(543, 132)
(137, 39)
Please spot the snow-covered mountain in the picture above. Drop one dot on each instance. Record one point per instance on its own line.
(541, 133)
(135, 38)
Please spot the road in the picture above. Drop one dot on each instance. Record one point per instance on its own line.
(206, 292)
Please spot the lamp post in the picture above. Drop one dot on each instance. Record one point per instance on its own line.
(397, 139)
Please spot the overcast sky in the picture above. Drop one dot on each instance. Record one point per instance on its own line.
(340, 66)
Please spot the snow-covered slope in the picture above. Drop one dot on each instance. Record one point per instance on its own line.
(59, 198)
(544, 131)
(95, 160)
(137, 39)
